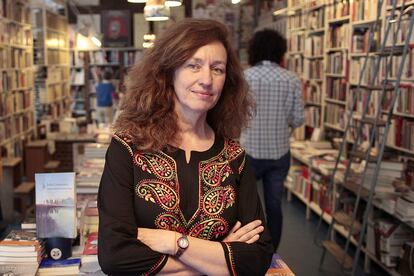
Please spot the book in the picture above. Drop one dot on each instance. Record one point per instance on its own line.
(17, 260)
(28, 269)
(20, 238)
(278, 267)
(19, 248)
(10, 253)
(59, 267)
(28, 223)
(91, 244)
(56, 205)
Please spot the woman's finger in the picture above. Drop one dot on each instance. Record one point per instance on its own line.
(235, 227)
(249, 227)
(255, 238)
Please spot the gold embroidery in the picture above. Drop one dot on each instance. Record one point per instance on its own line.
(169, 221)
(231, 257)
(214, 197)
(209, 229)
(124, 141)
(162, 166)
(218, 199)
(214, 173)
(242, 164)
(158, 192)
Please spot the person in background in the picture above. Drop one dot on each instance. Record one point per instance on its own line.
(279, 107)
(105, 91)
(177, 196)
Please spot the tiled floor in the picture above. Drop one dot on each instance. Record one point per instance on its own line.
(298, 249)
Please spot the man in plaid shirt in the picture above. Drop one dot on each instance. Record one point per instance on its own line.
(279, 107)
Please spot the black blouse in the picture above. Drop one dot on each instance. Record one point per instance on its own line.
(203, 198)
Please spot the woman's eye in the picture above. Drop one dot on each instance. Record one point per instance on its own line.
(218, 71)
(194, 66)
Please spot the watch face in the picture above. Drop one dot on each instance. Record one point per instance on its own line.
(182, 242)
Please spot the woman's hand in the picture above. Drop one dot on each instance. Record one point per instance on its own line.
(162, 241)
(248, 233)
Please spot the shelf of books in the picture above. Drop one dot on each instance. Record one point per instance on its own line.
(308, 180)
(16, 87)
(87, 68)
(78, 83)
(327, 45)
(51, 57)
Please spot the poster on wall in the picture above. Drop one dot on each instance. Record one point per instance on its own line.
(116, 28)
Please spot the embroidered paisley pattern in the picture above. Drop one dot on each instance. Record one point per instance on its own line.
(213, 174)
(169, 221)
(158, 192)
(209, 229)
(162, 166)
(218, 199)
(215, 195)
(233, 150)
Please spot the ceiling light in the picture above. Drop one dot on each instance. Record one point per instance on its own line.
(137, 1)
(155, 10)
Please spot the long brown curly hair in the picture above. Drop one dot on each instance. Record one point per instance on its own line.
(148, 115)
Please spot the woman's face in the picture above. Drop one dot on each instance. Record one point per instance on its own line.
(199, 81)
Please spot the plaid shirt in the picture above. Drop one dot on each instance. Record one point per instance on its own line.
(278, 106)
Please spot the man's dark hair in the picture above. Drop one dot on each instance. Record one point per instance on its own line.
(267, 45)
(107, 75)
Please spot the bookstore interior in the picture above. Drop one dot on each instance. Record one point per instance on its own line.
(352, 161)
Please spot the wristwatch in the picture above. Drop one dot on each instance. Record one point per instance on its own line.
(182, 243)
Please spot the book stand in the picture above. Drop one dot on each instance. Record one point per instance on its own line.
(58, 248)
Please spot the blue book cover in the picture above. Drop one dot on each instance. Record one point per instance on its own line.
(60, 263)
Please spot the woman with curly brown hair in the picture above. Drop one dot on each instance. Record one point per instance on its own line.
(176, 195)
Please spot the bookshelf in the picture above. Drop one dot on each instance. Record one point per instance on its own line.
(17, 123)
(87, 68)
(335, 35)
(51, 58)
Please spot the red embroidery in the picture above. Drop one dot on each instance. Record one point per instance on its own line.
(214, 197)
(158, 192)
(218, 199)
(209, 229)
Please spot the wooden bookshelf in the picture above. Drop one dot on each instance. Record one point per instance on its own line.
(17, 122)
(87, 68)
(340, 56)
(51, 57)
(306, 182)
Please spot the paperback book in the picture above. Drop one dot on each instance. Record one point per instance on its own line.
(56, 205)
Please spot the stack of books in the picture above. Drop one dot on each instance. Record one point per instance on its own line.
(89, 175)
(404, 208)
(95, 150)
(90, 264)
(20, 253)
(89, 172)
(90, 221)
(390, 237)
(390, 171)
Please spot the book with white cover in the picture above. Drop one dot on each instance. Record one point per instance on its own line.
(56, 205)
